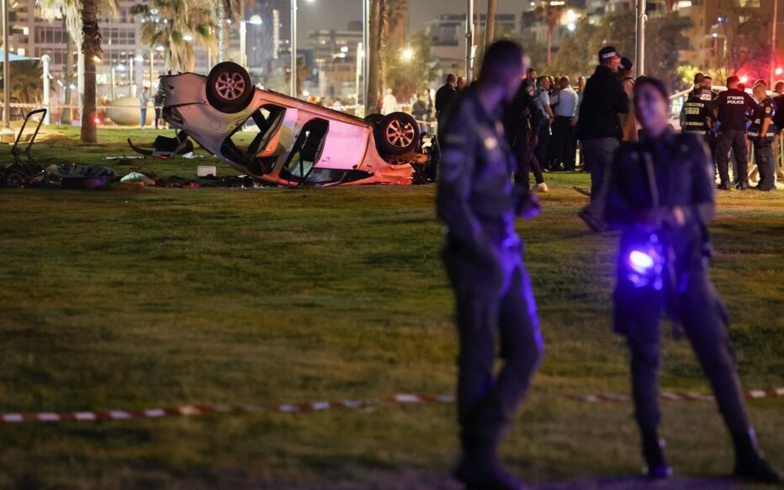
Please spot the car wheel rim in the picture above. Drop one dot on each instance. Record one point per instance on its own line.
(400, 134)
(230, 86)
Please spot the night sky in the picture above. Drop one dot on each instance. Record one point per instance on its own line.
(335, 14)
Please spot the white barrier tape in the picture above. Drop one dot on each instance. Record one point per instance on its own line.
(295, 408)
(676, 396)
(190, 410)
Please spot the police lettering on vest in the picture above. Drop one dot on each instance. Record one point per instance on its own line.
(733, 105)
(695, 115)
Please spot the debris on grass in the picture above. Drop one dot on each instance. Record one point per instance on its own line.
(137, 178)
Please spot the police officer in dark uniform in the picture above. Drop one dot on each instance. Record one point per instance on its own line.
(478, 202)
(661, 197)
(521, 124)
(732, 106)
(761, 134)
(696, 115)
(709, 95)
(445, 98)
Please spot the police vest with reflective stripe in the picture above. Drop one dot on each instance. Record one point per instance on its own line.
(694, 117)
(767, 109)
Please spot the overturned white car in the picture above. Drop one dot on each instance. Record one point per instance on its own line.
(292, 142)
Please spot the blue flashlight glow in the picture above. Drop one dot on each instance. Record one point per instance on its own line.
(640, 262)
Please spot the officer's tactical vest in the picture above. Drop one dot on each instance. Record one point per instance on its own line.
(694, 116)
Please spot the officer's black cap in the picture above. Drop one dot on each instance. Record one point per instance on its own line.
(626, 64)
(606, 53)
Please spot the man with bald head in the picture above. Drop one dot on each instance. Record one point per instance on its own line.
(478, 201)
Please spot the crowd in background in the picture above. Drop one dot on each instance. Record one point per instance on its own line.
(540, 123)
(547, 112)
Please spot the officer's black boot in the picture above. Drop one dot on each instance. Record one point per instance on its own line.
(656, 467)
(478, 467)
(749, 463)
(743, 185)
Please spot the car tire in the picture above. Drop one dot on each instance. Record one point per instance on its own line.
(229, 88)
(397, 133)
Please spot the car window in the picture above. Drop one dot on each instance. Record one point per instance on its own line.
(268, 119)
(306, 151)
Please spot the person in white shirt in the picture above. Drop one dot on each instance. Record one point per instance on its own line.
(564, 145)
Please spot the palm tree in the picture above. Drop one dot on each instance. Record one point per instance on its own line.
(397, 23)
(91, 47)
(228, 12)
(68, 75)
(25, 81)
(551, 14)
(82, 21)
(176, 25)
(492, 6)
(379, 18)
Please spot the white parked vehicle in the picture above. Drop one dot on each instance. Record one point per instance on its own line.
(296, 142)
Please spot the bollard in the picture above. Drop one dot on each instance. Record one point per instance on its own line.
(45, 60)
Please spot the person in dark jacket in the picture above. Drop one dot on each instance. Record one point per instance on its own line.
(478, 201)
(761, 134)
(661, 196)
(696, 115)
(158, 104)
(521, 124)
(732, 105)
(599, 130)
(446, 96)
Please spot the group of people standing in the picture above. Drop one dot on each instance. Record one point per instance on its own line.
(539, 123)
(732, 122)
(144, 100)
(659, 192)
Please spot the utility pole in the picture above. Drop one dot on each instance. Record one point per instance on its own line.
(6, 132)
(293, 77)
(469, 42)
(365, 53)
(773, 44)
(640, 41)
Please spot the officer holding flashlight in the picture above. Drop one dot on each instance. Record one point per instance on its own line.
(661, 196)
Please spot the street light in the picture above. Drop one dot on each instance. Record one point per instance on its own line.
(407, 54)
(293, 47)
(6, 132)
(255, 20)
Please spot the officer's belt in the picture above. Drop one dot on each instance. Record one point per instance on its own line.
(493, 207)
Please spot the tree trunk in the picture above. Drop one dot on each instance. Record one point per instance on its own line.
(65, 116)
(91, 46)
(550, 31)
(375, 56)
(492, 6)
(221, 31)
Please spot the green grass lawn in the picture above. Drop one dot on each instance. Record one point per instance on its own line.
(154, 297)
